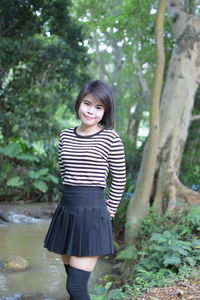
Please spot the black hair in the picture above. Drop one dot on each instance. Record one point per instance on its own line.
(103, 93)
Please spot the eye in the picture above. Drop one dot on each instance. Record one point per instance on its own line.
(86, 102)
(100, 107)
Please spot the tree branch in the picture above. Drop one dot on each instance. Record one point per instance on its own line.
(98, 55)
(195, 117)
(45, 74)
(142, 80)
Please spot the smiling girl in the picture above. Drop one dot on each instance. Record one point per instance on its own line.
(80, 230)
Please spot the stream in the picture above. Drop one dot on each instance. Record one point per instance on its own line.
(46, 276)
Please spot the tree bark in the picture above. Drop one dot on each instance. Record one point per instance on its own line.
(139, 204)
(162, 186)
(176, 109)
(98, 56)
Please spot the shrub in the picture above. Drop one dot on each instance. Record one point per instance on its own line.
(167, 248)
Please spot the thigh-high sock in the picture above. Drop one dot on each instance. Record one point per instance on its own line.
(77, 281)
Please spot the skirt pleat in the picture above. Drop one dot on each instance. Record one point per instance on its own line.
(81, 224)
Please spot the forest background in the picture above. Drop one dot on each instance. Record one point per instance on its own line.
(48, 49)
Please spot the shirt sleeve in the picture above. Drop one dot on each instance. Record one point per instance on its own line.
(117, 167)
(61, 166)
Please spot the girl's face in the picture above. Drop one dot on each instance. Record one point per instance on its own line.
(91, 111)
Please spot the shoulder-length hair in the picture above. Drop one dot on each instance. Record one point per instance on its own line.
(103, 93)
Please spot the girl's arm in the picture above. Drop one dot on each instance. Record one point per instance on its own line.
(61, 166)
(117, 168)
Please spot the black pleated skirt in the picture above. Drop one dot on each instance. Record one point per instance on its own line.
(81, 224)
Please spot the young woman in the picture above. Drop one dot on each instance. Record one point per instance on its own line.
(81, 230)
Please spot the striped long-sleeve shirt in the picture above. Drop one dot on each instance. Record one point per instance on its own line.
(87, 160)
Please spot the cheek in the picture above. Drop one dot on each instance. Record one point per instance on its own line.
(81, 108)
(79, 112)
(101, 114)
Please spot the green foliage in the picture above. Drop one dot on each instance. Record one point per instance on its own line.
(14, 150)
(42, 61)
(167, 249)
(40, 185)
(104, 293)
(34, 175)
(128, 253)
(14, 182)
(193, 217)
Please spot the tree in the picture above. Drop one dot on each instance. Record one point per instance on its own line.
(183, 78)
(119, 47)
(42, 60)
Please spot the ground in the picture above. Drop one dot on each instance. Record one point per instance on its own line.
(182, 290)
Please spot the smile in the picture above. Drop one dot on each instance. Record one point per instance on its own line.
(88, 118)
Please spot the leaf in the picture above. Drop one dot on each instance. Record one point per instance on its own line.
(108, 285)
(40, 185)
(53, 178)
(127, 253)
(99, 290)
(178, 249)
(159, 248)
(99, 297)
(11, 150)
(194, 215)
(157, 237)
(191, 261)
(33, 175)
(172, 259)
(15, 182)
(116, 294)
(27, 157)
(43, 171)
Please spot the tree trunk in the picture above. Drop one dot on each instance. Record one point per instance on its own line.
(139, 204)
(176, 109)
(183, 78)
(98, 56)
(134, 123)
(135, 118)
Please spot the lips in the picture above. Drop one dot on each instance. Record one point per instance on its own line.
(88, 118)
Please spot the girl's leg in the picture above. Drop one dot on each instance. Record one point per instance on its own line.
(65, 259)
(78, 276)
(86, 263)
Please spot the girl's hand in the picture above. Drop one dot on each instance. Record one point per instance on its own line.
(109, 210)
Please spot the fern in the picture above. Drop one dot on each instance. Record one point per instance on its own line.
(194, 216)
(127, 253)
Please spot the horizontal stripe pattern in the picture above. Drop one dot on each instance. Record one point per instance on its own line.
(87, 161)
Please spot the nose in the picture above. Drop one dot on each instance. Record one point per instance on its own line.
(90, 110)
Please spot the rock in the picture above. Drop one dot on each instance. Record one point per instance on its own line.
(33, 297)
(3, 217)
(179, 292)
(16, 263)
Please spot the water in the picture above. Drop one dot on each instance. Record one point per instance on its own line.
(46, 274)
